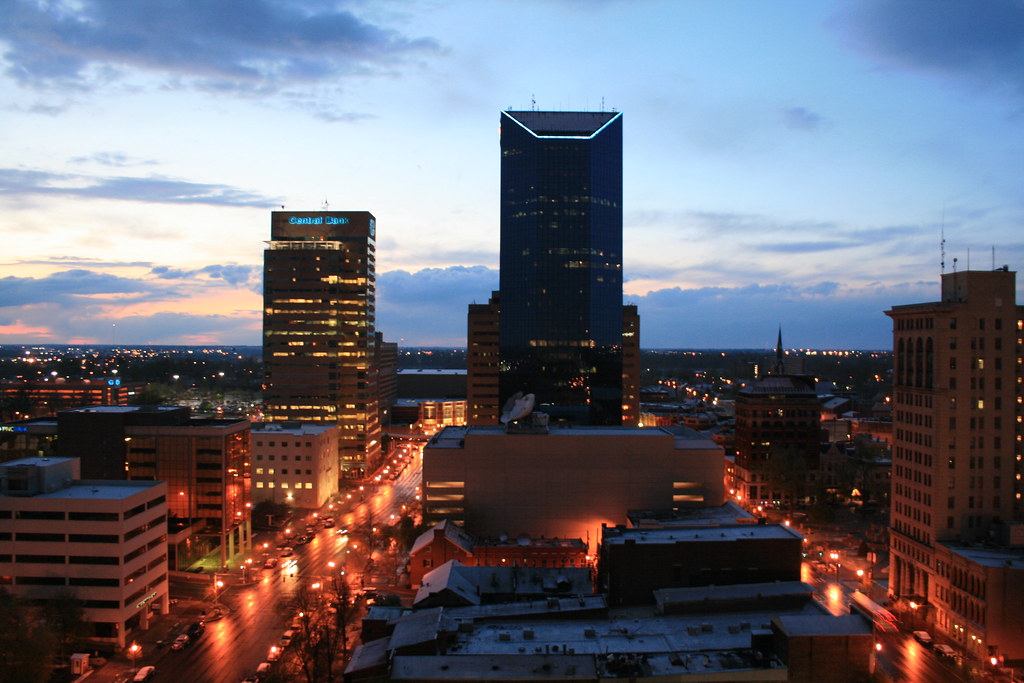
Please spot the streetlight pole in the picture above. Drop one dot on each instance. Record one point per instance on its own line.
(133, 652)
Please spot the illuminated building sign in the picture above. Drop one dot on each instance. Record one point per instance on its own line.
(113, 382)
(11, 428)
(317, 220)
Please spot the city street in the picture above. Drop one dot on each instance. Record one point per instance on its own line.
(253, 615)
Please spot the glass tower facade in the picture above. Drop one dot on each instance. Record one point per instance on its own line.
(561, 320)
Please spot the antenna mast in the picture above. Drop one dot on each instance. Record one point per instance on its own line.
(942, 247)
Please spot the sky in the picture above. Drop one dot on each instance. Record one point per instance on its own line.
(791, 163)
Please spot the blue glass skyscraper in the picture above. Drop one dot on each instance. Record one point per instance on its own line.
(561, 313)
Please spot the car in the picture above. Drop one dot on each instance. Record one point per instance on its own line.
(945, 650)
(180, 642)
(195, 630)
(286, 638)
(262, 669)
(328, 522)
(270, 563)
(144, 674)
(923, 637)
(287, 551)
(274, 654)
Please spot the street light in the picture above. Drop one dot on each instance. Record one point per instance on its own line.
(913, 614)
(834, 556)
(133, 652)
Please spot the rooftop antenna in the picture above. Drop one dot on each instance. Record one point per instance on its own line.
(993, 257)
(326, 205)
(533, 102)
(954, 265)
(602, 102)
(942, 245)
(968, 258)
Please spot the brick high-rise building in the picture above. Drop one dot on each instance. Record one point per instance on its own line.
(319, 312)
(778, 435)
(956, 475)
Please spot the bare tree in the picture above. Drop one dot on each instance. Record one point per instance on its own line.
(324, 610)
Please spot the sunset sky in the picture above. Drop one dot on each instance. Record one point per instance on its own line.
(788, 163)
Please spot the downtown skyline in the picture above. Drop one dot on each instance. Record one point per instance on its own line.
(790, 163)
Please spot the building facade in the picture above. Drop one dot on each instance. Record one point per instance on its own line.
(560, 328)
(207, 469)
(319, 313)
(483, 356)
(104, 542)
(956, 467)
(778, 436)
(565, 482)
(294, 463)
(40, 398)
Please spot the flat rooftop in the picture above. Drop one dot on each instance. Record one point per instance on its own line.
(731, 532)
(36, 461)
(627, 631)
(432, 371)
(124, 409)
(291, 427)
(452, 437)
(989, 556)
(727, 513)
(101, 489)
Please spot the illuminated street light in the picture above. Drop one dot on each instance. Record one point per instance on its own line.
(133, 651)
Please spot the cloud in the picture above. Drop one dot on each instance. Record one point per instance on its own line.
(428, 307)
(163, 307)
(70, 287)
(799, 118)
(823, 315)
(250, 276)
(115, 159)
(223, 45)
(157, 189)
(982, 42)
(51, 323)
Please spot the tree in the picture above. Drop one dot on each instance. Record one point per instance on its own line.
(26, 649)
(152, 395)
(267, 510)
(64, 617)
(325, 610)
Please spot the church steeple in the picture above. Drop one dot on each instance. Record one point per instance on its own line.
(779, 368)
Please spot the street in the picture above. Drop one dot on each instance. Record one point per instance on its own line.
(245, 619)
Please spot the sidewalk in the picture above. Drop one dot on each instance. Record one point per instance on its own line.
(163, 629)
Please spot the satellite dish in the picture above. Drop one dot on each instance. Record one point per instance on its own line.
(510, 404)
(518, 407)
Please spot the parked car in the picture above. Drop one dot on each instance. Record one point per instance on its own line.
(945, 650)
(286, 638)
(144, 674)
(287, 552)
(923, 637)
